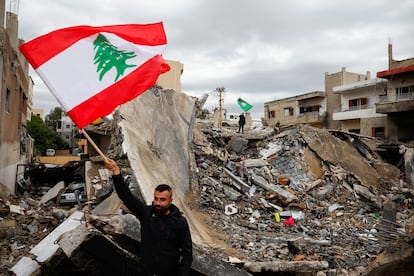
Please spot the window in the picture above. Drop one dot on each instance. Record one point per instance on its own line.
(378, 132)
(67, 126)
(271, 114)
(8, 99)
(405, 92)
(309, 109)
(356, 104)
(288, 111)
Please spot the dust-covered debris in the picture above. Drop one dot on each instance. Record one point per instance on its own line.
(337, 212)
(297, 200)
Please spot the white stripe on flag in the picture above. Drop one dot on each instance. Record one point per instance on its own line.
(72, 75)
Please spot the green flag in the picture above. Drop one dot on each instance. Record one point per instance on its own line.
(244, 105)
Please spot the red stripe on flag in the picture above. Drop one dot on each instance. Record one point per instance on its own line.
(128, 88)
(45, 47)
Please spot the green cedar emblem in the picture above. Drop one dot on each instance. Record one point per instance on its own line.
(108, 56)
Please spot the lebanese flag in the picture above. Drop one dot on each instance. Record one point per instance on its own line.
(92, 70)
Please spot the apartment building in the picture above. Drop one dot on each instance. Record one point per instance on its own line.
(67, 130)
(314, 108)
(398, 99)
(357, 112)
(16, 90)
(172, 79)
(309, 108)
(334, 99)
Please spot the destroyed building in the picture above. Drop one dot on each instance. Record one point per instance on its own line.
(304, 201)
(16, 93)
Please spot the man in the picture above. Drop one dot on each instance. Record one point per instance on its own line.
(166, 245)
(242, 121)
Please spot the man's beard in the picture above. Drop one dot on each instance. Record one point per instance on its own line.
(160, 210)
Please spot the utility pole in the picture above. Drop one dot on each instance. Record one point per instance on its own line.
(220, 91)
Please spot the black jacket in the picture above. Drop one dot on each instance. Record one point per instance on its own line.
(242, 120)
(166, 245)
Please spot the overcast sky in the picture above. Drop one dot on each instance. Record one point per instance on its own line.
(258, 50)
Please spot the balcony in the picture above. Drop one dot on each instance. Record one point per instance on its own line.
(398, 97)
(309, 117)
(395, 103)
(354, 112)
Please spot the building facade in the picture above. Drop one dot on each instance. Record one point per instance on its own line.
(333, 100)
(357, 112)
(307, 108)
(67, 130)
(398, 101)
(314, 108)
(16, 89)
(172, 79)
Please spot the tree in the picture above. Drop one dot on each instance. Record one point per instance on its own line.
(44, 137)
(54, 117)
(325, 119)
(202, 114)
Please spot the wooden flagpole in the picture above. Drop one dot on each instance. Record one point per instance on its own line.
(94, 145)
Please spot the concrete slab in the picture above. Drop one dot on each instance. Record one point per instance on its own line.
(48, 246)
(52, 193)
(157, 132)
(255, 163)
(111, 205)
(25, 266)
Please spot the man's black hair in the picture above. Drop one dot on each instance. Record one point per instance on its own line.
(163, 187)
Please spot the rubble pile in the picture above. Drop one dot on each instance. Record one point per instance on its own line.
(299, 200)
(285, 202)
(50, 195)
(23, 224)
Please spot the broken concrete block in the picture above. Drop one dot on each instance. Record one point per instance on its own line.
(131, 226)
(255, 163)
(52, 193)
(47, 247)
(335, 206)
(261, 182)
(111, 205)
(16, 209)
(25, 266)
(208, 265)
(325, 191)
(237, 144)
(365, 192)
(232, 194)
(230, 209)
(71, 240)
(243, 186)
(285, 266)
(104, 255)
